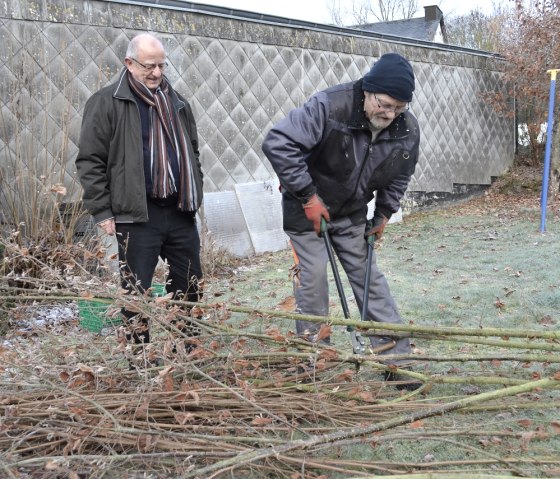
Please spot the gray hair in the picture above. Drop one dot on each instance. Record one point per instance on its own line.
(132, 49)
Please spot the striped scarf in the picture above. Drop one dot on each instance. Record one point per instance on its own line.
(165, 128)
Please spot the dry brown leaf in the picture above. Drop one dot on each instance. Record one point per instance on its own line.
(84, 368)
(224, 415)
(324, 332)
(59, 189)
(484, 441)
(367, 396)
(547, 320)
(416, 424)
(76, 383)
(52, 466)
(499, 304)
(167, 383)
(89, 376)
(328, 354)
(184, 417)
(261, 421)
(240, 364)
(247, 392)
(145, 443)
(194, 396)
(238, 344)
(77, 411)
(524, 423)
(166, 371)
(274, 333)
(196, 311)
(345, 376)
(287, 304)
(68, 352)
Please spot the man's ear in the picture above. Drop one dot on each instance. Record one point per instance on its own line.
(128, 63)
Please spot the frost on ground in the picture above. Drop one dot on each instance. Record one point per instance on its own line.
(24, 321)
(31, 317)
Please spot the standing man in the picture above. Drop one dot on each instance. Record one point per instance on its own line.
(331, 155)
(138, 163)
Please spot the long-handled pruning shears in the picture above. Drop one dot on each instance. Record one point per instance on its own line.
(370, 246)
(358, 343)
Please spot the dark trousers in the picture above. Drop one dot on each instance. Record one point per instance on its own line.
(168, 234)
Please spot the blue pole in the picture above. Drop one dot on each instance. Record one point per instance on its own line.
(546, 170)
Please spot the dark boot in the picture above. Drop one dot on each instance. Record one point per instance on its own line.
(138, 328)
(402, 382)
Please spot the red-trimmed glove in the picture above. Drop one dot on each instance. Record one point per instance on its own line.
(314, 210)
(377, 227)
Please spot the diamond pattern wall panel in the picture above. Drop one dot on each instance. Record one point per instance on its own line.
(240, 78)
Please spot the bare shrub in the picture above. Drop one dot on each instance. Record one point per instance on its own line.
(216, 260)
(43, 230)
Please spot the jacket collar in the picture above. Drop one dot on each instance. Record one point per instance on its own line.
(123, 91)
(399, 128)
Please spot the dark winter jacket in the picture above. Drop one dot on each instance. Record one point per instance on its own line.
(110, 160)
(325, 147)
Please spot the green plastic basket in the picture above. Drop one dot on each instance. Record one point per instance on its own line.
(158, 289)
(93, 313)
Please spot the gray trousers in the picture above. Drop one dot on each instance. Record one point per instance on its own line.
(311, 287)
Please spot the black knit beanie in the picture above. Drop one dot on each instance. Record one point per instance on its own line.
(391, 74)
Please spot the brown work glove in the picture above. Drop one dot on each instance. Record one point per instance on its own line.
(315, 209)
(376, 227)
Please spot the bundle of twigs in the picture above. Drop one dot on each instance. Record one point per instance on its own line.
(239, 398)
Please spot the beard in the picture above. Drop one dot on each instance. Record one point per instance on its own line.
(380, 123)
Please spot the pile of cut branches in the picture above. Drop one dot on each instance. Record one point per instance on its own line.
(242, 399)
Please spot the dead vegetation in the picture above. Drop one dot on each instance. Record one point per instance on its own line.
(242, 402)
(246, 398)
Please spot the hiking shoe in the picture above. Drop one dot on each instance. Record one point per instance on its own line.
(402, 382)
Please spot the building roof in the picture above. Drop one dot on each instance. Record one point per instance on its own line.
(425, 28)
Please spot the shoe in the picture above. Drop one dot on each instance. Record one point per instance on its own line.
(402, 383)
(306, 371)
(140, 365)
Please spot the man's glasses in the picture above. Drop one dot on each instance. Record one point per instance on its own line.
(397, 110)
(151, 68)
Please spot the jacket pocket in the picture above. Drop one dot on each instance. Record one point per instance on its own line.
(336, 156)
(294, 218)
(398, 163)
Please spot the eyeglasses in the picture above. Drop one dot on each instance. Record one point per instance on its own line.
(151, 68)
(397, 110)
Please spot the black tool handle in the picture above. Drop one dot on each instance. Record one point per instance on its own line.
(370, 244)
(336, 274)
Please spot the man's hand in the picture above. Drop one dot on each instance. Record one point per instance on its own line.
(314, 210)
(377, 226)
(108, 226)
